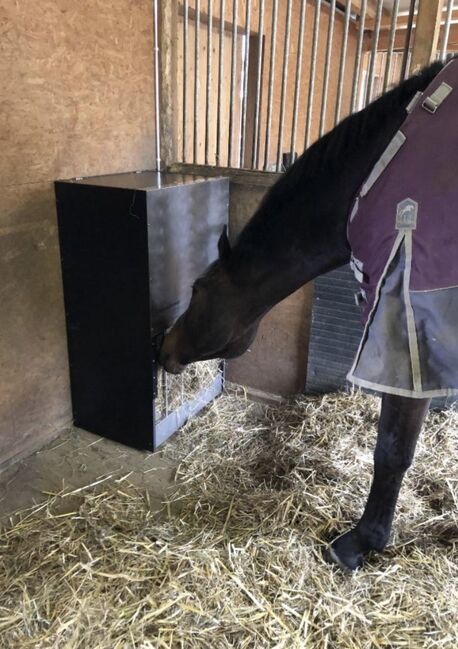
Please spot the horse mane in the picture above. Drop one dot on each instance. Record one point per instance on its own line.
(304, 183)
(354, 128)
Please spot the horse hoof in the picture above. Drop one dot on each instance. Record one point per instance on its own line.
(346, 552)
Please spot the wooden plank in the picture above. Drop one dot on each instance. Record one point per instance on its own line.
(168, 61)
(237, 176)
(426, 33)
(370, 10)
(403, 20)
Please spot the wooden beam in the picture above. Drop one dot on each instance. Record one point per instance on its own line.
(371, 9)
(402, 20)
(426, 33)
(168, 23)
(237, 176)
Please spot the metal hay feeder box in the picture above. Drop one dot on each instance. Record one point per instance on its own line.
(131, 246)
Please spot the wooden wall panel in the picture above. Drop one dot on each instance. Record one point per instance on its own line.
(34, 402)
(277, 361)
(77, 99)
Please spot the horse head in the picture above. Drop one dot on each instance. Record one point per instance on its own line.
(216, 323)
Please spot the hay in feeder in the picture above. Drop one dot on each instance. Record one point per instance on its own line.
(234, 558)
(173, 391)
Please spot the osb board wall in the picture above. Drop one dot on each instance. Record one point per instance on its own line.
(77, 100)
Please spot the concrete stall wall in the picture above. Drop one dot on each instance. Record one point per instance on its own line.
(77, 100)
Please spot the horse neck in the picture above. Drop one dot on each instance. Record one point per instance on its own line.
(299, 231)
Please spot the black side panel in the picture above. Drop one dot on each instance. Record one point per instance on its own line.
(103, 240)
(335, 333)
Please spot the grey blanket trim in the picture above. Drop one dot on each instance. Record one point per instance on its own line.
(401, 392)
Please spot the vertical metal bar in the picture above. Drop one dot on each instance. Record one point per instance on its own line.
(316, 30)
(375, 37)
(389, 54)
(233, 76)
(209, 79)
(343, 56)
(284, 82)
(185, 72)
(196, 78)
(241, 86)
(222, 9)
(257, 121)
(157, 111)
(448, 20)
(297, 84)
(359, 47)
(245, 82)
(405, 57)
(327, 66)
(165, 391)
(273, 43)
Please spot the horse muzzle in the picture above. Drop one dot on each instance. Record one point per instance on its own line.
(167, 358)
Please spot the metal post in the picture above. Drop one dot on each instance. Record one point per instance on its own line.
(316, 30)
(157, 110)
(245, 82)
(257, 121)
(233, 75)
(405, 57)
(196, 79)
(220, 82)
(343, 56)
(359, 47)
(297, 86)
(389, 54)
(273, 43)
(185, 72)
(327, 65)
(284, 82)
(375, 37)
(209, 79)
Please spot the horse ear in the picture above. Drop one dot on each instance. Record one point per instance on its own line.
(224, 247)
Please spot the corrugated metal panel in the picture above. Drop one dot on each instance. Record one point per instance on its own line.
(335, 333)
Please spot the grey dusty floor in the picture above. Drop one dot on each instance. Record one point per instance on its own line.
(74, 460)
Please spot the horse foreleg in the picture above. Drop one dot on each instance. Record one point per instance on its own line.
(400, 423)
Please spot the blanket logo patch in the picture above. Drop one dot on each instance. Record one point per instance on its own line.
(406, 214)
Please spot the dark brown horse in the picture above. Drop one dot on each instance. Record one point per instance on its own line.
(298, 233)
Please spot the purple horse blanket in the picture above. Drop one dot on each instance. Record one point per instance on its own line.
(403, 232)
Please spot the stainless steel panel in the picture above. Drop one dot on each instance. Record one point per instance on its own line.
(184, 225)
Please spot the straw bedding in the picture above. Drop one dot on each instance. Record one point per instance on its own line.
(234, 558)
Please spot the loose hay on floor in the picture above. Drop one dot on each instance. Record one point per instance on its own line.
(234, 559)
